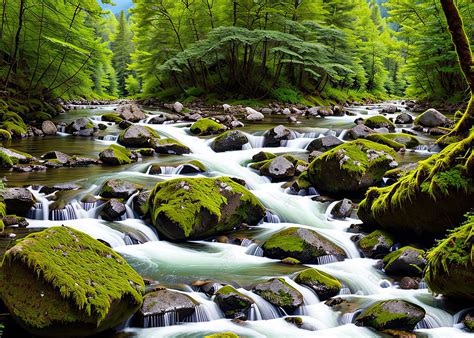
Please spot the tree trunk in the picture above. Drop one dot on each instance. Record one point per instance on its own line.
(463, 50)
(17, 42)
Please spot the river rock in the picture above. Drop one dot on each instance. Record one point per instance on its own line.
(468, 321)
(59, 187)
(63, 282)
(342, 209)
(279, 293)
(229, 141)
(116, 155)
(18, 201)
(407, 261)
(376, 244)
(140, 203)
(13, 220)
(302, 244)
(409, 283)
(278, 169)
(111, 118)
(81, 127)
(360, 131)
(262, 156)
(161, 302)
(351, 168)
(117, 188)
(325, 285)
(49, 128)
(178, 107)
(389, 109)
(404, 118)
(379, 121)
(394, 314)
(58, 156)
(433, 118)
(450, 267)
(233, 303)
(137, 136)
(191, 208)
(314, 155)
(275, 136)
(190, 167)
(207, 126)
(323, 144)
(130, 113)
(253, 115)
(169, 146)
(113, 210)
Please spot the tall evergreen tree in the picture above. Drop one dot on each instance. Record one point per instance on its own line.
(122, 48)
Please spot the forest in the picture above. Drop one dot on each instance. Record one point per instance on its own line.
(236, 168)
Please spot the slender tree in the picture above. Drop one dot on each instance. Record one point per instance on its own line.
(122, 48)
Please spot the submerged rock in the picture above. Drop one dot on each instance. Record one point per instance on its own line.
(207, 126)
(450, 267)
(302, 244)
(391, 314)
(351, 168)
(137, 136)
(63, 282)
(233, 303)
(59, 187)
(119, 189)
(57, 156)
(407, 261)
(229, 141)
(190, 208)
(279, 293)
(18, 201)
(325, 285)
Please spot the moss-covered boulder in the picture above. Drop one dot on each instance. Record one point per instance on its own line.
(10, 157)
(433, 118)
(207, 126)
(229, 141)
(302, 244)
(407, 261)
(117, 188)
(62, 282)
(116, 155)
(169, 146)
(395, 141)
(379, 121)
(137, 136)
(450, 267)
(199, 207)
(279, 293)
(325, 285)
(233, 303)
(111, 118)
(324, 144)
(158, 303)
(376, 244)
(351, 168)
(392, 314)
(262, 156)
(427, 201)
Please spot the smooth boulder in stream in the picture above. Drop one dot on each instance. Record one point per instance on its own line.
(302, 244)
(191, 208)
(229, 141)
(351, 168)
(233, 303)
(62, 282)
(325, 285)
(137, 136)
(279, 293)
(18, 201)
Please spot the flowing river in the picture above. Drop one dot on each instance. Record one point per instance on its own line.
(177, 266)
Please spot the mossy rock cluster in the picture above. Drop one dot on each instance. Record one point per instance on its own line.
(63, 282)
(427, 201)
(207, 126)
(325, 285)
(302, 244)
(233, 303)
(450, 267)
(351, 168)
(190, 208)
(279, 293)
(395, 141)
(391, 314)
(379, 121)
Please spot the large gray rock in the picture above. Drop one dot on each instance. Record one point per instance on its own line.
(229, 141)
(57, 156)
(433, 118)
(137, 136)
(233, 303)
(275, 136)
(279, 293)
(278, 169)
(253, 115)
(18, 201)
(324, 144)
(131, 113)
(113, 210)
(404, 118)
(342, 209)
(360, 131)
(119, 189)
(49, 128)
(81, 127)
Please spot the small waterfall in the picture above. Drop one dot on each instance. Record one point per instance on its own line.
(254, 250)
(271, 218)
(44, 206)
(429, 322)
(36, 212)
(255, 142)
(96, 118)
(422, 147)
(349, 317)
(161, 320)
(344, 291)
(299, 143)
(327, 259)
(262, 310)
(422, 285)
(65, 214)
(110, 138)
(343, 134)
(91, 205)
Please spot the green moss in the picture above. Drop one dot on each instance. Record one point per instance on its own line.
(303, 180)
(39, 116)
(122, 154)
(13, 123)
(5, 134)
(281, 298)
(286, 241)
(222, 335)
(207, 126)
(379, 121)
(7, 161)
(379, 318)
(186, 202)
(146, 151)
(450, 266)
(382, 139)
(73, 267)
(393, 256)
(152, 134)
(112, 118)
(372, 239)
(314, 276)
